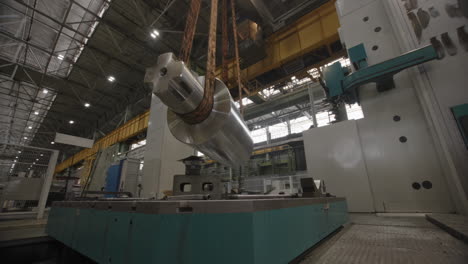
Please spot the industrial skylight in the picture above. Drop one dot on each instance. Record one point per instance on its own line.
(24, 107)
(245, 102)
(48, 36)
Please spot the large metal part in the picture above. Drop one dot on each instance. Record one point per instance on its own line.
(223, 135)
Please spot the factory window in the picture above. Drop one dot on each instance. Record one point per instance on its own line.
(314, 72)
(258, 135)
(245, 102)
(324, 118)
(300, 124)
(279, 130)
(345, 62)
(138, 144)
(354, 112)
(269, 92)
(294, 83)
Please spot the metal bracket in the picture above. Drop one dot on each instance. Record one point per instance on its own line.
(339, 84)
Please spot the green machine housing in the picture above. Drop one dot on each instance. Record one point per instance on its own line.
(211, 231)
(340, 84)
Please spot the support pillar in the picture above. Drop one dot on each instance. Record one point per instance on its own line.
(312, 105)
(162, 153)
(49, 176)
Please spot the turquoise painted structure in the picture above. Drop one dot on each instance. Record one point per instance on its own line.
(253, 231)
(339, 83)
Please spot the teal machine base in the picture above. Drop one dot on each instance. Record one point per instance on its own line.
(212, 231)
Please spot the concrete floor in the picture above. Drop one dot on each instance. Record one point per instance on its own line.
(372, 239)
(22, 229)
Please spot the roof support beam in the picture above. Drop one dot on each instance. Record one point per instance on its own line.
(54, 46)
(49, 53)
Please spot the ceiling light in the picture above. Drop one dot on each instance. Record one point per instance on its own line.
(111, 78)
(37, 159)
(42, 155)
(34, 163)
(29, 127)
(14, 161)
(25, 137)
(19, 151)
(52, 142)
(16, 157)
(154, 34)
(87, 105)
(45, 91)
(36, 112)
(71, 122)
(60, 57)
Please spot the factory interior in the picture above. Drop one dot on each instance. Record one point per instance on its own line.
(234, 131)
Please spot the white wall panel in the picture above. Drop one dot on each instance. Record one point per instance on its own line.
(334, 154)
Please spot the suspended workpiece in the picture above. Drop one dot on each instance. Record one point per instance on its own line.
(222, 135)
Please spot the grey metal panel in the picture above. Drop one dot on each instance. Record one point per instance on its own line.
(334, 154)
(23, 189)
(129, 176)
(104, 160)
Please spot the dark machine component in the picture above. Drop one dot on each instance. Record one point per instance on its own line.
(460, 113)
(310, 189)
(193, 165)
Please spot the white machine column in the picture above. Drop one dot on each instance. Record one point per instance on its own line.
(440, 84)
(162, 153)
(398, 148)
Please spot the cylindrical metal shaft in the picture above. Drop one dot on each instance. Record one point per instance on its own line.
(223, 135)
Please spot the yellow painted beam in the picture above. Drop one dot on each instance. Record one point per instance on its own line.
(132, 128)
(310, 32)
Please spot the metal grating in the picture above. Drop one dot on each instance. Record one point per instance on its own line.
(383, 240)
